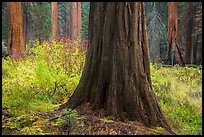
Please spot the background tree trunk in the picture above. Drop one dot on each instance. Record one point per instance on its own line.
(174, 55)
(154, 29)
(25, 25)
(54, 20)
(188, 31)
(197, 34)
(79, 19)
(74, 20)
(116, 76)
(67, 20)
(16, 39)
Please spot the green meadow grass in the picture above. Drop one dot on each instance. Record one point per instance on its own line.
(174, 87)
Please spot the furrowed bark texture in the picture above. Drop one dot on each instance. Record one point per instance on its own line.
(116, 76)
(16, 39)
(174, 55)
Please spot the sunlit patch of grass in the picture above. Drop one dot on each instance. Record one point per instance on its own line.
(173, 87)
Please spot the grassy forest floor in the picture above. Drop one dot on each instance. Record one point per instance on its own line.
(33, 88)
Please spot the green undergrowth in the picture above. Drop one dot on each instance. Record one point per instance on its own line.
(179, 92)
(41, 82)
(50, 72)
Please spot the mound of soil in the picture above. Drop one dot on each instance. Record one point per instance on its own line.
(97, 123)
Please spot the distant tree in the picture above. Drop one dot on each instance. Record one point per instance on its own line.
(25, 21)
(4, 26)
(63, 11)
(174, 55)
(41, 13)
(116, 76)
(85, 19)
(54, 20)
(79, 18)
(155, 29)
(68, 20)
(16, 43)
(196, 56)
(76, 20)
(188, 30)
(41, 24)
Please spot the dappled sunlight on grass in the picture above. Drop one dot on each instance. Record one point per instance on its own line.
(173, 87)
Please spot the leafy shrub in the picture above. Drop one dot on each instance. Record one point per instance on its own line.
(49, 73)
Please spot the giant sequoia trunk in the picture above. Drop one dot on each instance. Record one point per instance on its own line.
(174, 55)
(116, 76)
(16, 40)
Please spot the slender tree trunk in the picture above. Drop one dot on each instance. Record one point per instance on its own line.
(70, 19)
(74, 20)
(116, 76)
(31, 28)
(174, 55)
(156, 38)
(79, 19)
(54, 20)
(67, 20)
(16, 39)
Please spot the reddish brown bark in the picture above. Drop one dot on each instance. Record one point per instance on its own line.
(16, 39)
(116, 75)
(174, 55)
(76, 20)
(54, 20)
